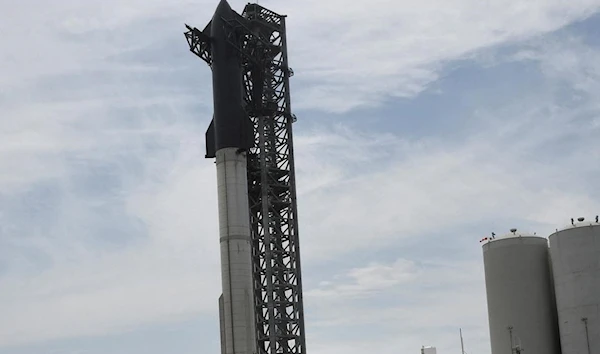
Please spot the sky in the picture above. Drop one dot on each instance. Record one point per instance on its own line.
(423, 126)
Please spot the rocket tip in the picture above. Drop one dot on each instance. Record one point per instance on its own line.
(223, 9)
(223, 4)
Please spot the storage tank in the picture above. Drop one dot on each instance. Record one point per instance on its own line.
(575, 254)
(520, 295)
(428, 350)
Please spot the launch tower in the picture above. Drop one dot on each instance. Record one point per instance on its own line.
(258, 37)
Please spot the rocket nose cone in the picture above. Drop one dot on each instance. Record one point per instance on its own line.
(223, 7)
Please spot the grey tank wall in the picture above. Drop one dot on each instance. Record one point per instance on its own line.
(575, 256)
(520, 294)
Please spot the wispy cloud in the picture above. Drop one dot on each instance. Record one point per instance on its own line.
(370, 52)
(407, 314)
(406, 190)
(366, 281)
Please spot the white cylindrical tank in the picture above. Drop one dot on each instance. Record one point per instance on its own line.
(428, 350)
(575, 256)
(520, 296)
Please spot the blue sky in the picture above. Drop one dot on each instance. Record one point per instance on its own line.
(422, 127)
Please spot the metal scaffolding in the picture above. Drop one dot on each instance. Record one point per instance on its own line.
(260, 37)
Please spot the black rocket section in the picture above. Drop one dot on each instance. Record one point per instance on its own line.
(210, 139)
(231, 126)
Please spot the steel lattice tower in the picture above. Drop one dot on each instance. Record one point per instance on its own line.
(260, 37)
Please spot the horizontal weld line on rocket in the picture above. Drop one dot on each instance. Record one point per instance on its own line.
(234, 237)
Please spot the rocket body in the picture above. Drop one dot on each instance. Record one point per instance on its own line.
(229, 136)
(237, 311)
(230, 126)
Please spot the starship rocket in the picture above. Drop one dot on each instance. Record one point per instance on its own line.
(228, 138)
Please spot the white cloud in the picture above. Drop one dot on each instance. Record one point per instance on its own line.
(366, 281)
(444, 295)
(350, 54)
(414, 190)
(363, 53)
(174, 273)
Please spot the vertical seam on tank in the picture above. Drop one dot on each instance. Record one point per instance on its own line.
(229, 255)
(587, 336)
